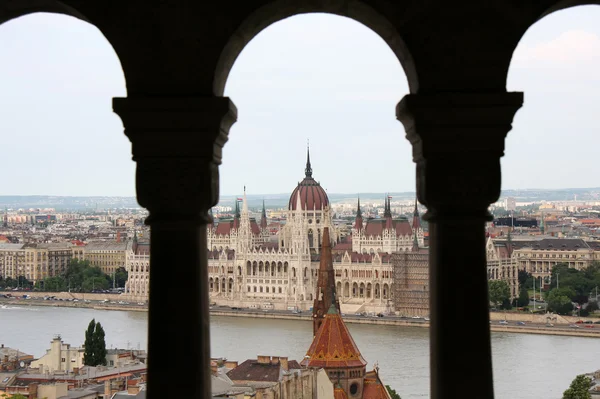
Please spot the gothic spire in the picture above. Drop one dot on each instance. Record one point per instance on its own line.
(308, 169)
(326, 296)
(358, 222)
(416, 219)
(388, 207)
(263, 218)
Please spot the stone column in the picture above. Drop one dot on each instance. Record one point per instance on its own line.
(457, 141)
(177, 145)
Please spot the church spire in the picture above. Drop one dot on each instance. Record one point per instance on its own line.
(326, 296)
(263, 217)
(416, 219)
(358, 223)
(308, 169)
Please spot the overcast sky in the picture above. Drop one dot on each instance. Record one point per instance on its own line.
(313, 77)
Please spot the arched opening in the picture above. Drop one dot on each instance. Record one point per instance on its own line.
(369, 291)
(354, 290)
(347, 290)
(271, 13)
(338, 288)
(377, 293)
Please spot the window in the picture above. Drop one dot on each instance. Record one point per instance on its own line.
(63, 360)
(112, 363)
(353, 389)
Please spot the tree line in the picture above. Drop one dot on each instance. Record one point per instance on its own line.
(79, 276)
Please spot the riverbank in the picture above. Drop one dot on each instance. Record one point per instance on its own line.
(540, 328)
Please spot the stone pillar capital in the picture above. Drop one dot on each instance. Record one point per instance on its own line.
(458, 139)
(177, 144)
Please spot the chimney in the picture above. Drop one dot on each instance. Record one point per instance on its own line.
(264, 359)
(284, 363)
(275, 360)
(231, 365)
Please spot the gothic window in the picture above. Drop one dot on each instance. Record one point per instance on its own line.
(261, 289)
(285, 267)
(310, 239)
(267, 290)
(293, 272)
(254, 289)
(280, 290)
(248, 288)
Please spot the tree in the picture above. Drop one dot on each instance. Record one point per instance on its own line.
(579, 389)
(121, 277)
(499, 291)
(88, 353)
(523, 297)
(392, 392)
(95, 345)
(559, 300)
(100, 345)
(525, 279)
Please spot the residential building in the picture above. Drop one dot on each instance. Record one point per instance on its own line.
(107, 255)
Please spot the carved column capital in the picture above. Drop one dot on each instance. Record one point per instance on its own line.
(177, 144)
(457, 141)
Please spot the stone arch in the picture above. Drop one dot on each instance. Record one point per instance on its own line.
(338, 288)
(354, 290)
(223, 285)
(369, 288)
(267, 268)
(345, 273)
(361, 290)
(377, 291)
(279, 266)
(311, 238)
(260, 267)
(254, 268)
(347, 290)
(276, 11)
(217, 285)
(230, 285)
(385, 292)
(211, 284)
(285, 267)
(248, 268)
(293, 272)
(305, 273)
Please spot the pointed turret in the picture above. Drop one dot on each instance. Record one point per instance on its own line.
(416, 219)
(358, 223)
(135, 242)
(236, 217)
(326, 296)
(388, 214)
(263, 217)
(308, 169)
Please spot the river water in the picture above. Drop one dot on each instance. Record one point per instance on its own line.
(525, 366)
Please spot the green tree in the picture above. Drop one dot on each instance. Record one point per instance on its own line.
(559, 300)
(499, 291)
(523, 297)
(99, 345)
(121, 277)
(95, 345)
(525, 279)
(579, 389)
(392, 392)
(88, 353)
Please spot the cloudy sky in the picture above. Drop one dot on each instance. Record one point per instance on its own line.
(313, 77)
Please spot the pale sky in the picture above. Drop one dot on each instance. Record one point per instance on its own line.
(313, 77)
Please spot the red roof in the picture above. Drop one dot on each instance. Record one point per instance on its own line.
(333, 346)
(373, 387)
(312, 195)
(375, 227)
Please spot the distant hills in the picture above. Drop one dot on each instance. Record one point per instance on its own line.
(81, 203)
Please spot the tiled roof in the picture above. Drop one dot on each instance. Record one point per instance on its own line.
(105, 246)
(333, 346)
(373, 388)
(312, 195)
(375, 227)
(252, 370)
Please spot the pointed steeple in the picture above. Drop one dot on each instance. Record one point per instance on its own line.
(358, 223)
(416, 219)
(263, 217)
(236, 216)
(135, 242)
(326, 296)
(308, 169)
(387, 213)
(542, 227)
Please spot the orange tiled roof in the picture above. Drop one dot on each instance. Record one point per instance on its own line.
(373, 387)
(333, 346)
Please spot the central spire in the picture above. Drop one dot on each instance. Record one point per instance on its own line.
(308, 169)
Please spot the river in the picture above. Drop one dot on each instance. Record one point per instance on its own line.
(525, 366)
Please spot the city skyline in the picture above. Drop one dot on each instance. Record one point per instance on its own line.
(315, 77)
